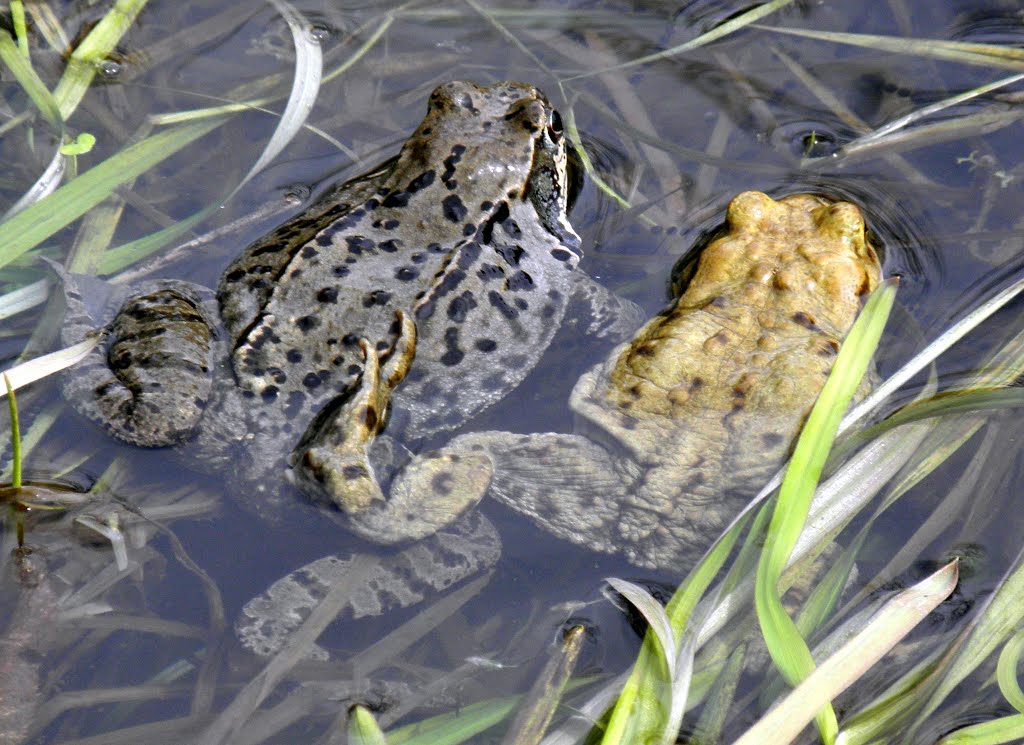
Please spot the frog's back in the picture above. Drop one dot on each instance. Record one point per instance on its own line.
(446, 232)
(711, 393)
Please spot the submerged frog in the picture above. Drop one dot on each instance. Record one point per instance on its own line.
(680, 425)
(448, 268)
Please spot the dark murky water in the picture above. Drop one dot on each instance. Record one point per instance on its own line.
(676, 137)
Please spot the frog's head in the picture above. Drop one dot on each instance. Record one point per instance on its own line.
(502, 143)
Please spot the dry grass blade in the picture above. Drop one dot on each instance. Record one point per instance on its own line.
(990, 120)
(731, 26)
(987, 55)
(41, 367)
(535, 714)
(893, 622)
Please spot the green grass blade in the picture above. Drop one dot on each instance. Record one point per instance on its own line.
(37, 92)
(363, 728)
(12, 407)
(786, 646)
(91, 52)
(35, 224)
(893, 622)
(20, 30)
(455, 728)
(1006, 671)
(995, 732)
(641, 713)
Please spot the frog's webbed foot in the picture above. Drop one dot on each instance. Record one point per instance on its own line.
(149, 381)
(332, 461)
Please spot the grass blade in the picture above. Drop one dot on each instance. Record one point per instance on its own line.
(91, 52)
(988, 55)
(35, 224)
(641, 714)
(41, 367)
(363, 728)
(893, 622)
(22, 70)
(12, 406)
(535, 714)
(786, 646)
(735, 24)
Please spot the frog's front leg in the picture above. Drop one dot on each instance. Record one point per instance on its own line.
(150, 378)
(332, 461)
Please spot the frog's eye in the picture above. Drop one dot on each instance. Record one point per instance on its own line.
(555, 126)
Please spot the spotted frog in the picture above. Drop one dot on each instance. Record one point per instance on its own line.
(679, 426)
(447, 269)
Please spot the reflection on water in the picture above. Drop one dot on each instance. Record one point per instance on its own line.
(93, 650)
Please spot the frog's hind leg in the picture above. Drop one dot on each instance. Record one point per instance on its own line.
(149, 380)
(576, 489)
(332, 461)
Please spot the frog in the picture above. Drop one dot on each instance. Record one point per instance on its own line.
(680, 425)
(421, 292)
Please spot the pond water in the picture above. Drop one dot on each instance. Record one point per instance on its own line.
(148, 654)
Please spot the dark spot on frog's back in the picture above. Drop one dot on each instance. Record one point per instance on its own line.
(442, 484)
(455, 210)
(327, 295)
(806, 320)
(772, 439)
(503, 307)
(519, 281)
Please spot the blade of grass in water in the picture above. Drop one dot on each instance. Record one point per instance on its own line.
(35, 224)
(455, 728)
(901, 614)
(305, 87)
(641, 713)
(786, 646)
(91, 52)
(987, 55)
(22, 70)
(535, 714)
(994, 623)
(35, 369)
(732, 25)
(12, 407)
(363, 728)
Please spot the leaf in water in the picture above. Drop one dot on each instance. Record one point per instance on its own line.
(654, 613)
(38, 222)
(41, 367)
(363, 728)
(786, 646)
(893, 622)
(24, 298)
(82, 144)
